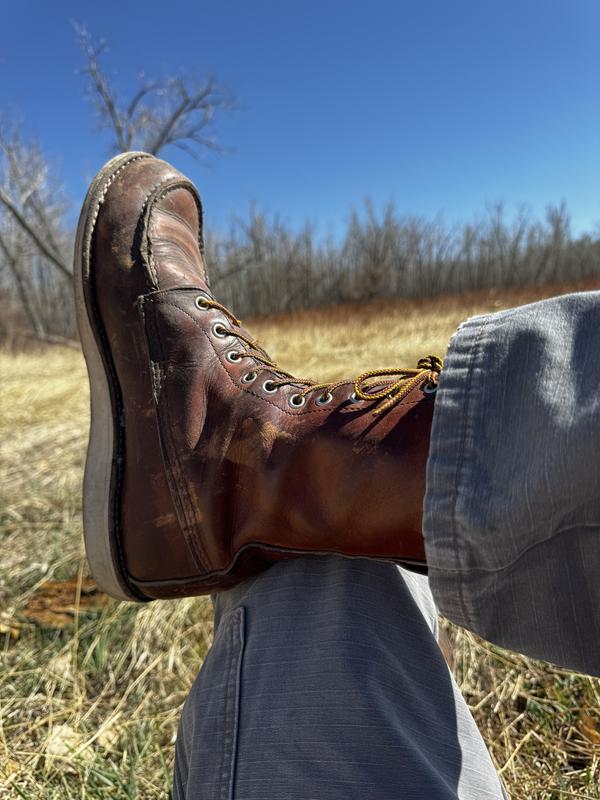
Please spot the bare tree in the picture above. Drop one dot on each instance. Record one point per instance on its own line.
(34, 241)
(262, 266)
(176, 111)
(31, 195)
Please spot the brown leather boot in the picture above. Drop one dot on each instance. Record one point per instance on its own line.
(206, 461)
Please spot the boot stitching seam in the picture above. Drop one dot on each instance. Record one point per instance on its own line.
(213, 577)
(160, 190)
(145, 225)
(111, 375)
(180, 483)
(250, 391)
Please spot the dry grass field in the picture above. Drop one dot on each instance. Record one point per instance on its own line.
(90, 709)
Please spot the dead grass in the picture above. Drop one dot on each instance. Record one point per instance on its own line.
(92, 711)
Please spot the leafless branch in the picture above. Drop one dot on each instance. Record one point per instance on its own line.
(33, 238)
(33, 235)
(103, 94)
(173, 111)
(29, 180)
(12, 260)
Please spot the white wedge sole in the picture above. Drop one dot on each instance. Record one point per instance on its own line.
(100, 522)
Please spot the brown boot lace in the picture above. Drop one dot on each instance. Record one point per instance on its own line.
(426, 374)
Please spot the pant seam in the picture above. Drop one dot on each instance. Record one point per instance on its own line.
(460, 467)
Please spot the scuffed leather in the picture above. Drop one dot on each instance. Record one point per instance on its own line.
(221, 478)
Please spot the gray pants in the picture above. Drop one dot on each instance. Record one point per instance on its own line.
(325, 679)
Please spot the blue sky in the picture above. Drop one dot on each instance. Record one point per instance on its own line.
(441, 106)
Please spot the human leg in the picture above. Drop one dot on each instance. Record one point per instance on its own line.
(512, 508)
(325, 680)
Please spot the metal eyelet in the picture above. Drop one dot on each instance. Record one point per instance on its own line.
(324, 399)
(430, 388)
(249, 377)
(297, 400)
(269, 387)
(354, 398)
(202, 303)
(233, 356)
(218, 330)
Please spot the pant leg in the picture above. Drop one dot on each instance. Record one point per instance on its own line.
(512, 508)
(325, 681)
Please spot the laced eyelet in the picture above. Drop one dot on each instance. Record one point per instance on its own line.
(324, 399)
(269, 387)
(202, 303)
(297, 400)
(430, 388)
(233, 356)
(249, 377)
(218, 330)
(354, 398)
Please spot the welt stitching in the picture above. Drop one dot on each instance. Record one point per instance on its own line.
(112, 377)
(111, 374)
(106, 187)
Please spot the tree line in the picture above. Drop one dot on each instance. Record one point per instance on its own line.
(261, 266)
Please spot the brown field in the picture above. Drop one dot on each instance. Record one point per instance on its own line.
(90, 711)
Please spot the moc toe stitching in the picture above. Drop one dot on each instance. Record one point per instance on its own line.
(144, 223)
(158, 192)
(111, 375)
(101, 198)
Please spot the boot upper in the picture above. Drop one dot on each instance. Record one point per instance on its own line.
(222, 451)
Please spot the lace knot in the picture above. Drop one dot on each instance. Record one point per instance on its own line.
(432, 363)
(428, 370)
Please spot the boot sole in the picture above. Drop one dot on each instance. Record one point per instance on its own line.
(104, 457)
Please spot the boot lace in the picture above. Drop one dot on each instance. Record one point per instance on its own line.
(367, 386)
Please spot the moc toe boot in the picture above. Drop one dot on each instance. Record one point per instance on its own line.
(206, 461)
